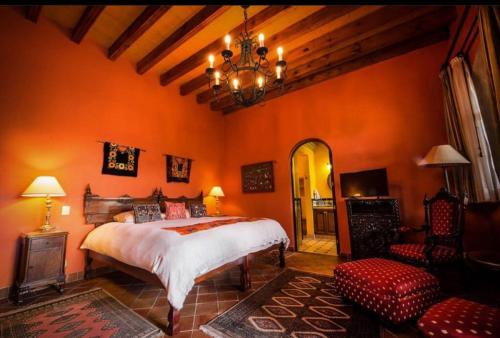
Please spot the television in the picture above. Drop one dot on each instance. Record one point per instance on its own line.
(367, 183)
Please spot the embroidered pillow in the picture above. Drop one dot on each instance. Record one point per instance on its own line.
(147, 213)
(175, 210)
(124, 217)
(198, 210)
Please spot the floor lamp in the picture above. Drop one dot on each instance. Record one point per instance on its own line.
(444, 156)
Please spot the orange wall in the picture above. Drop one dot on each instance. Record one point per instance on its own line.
(386, 115)
(57, 98)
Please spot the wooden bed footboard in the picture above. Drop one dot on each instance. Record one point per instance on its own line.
(173, 315)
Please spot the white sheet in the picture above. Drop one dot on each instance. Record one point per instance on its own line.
(178, 260)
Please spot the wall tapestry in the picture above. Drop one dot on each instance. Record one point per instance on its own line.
(178, 169)
(258, 177)
(120, 160)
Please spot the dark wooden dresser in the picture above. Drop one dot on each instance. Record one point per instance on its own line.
(42, 261)
(372, 225)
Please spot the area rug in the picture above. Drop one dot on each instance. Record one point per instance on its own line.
(295, 304)
(93, 313)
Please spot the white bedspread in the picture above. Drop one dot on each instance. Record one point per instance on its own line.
(178, 260)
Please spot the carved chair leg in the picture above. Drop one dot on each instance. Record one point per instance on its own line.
(174, 321)
(88, 265)
(282, 255)
(245, 279)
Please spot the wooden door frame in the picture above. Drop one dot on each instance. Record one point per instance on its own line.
(330, 157)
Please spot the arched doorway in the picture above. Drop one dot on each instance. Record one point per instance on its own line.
(313, 197)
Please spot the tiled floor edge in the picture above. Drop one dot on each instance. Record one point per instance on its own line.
(9, 291)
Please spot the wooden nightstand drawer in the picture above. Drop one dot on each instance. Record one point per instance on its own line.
(47, 243)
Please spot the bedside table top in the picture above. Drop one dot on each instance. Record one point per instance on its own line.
(39, 233)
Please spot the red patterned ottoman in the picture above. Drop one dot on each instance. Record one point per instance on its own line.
(395, 291)
(456, 317)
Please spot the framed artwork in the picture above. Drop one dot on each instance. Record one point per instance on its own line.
(178, 169)
(257, 177)
(120, 160)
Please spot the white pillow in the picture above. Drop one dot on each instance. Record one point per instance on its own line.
(124, 217)
(188, 214)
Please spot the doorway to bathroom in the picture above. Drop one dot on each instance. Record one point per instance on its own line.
(314, 207)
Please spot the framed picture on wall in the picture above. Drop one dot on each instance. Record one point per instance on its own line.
(257, 177)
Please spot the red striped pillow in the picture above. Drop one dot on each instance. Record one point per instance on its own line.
(175, 210)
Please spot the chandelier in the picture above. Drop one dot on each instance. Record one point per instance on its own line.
(247, 80)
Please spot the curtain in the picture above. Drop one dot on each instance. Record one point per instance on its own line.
(467, 133)
(486, 75)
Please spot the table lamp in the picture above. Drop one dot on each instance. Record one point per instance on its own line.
(444, 156)
(217, 192)
(45, 186)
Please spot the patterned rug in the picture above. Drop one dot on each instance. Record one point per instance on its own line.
(93, 313)
(295, 304)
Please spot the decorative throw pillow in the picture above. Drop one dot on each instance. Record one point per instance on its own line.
(147, 213)
(175, 210)
(124, 217)
(198, 210)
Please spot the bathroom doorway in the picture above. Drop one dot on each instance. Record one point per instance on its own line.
(313, 193)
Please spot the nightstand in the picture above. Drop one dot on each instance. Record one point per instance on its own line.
(42, 261)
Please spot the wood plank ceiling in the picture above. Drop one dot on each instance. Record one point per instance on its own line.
(320, 42)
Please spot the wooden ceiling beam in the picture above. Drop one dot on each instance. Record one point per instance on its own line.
(346, 35)
(337, 70)
(86, 22)
(141, 24)
(199, 21)
(200, 57)
(304, 26)
(32, 13)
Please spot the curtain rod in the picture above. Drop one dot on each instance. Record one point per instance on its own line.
(457, 33)
(122, 145)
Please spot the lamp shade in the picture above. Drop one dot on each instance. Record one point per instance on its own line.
(216, 191)
(443, 155)
(44, 186)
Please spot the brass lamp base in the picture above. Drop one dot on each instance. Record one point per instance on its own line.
(47, 228)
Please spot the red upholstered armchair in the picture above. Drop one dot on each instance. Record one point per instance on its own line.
(444, 219)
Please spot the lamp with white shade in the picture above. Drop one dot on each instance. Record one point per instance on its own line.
(444, 156)
(217, 192)
(45, 186)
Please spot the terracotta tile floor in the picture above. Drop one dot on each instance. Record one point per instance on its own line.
(205, 301)
(319, 244)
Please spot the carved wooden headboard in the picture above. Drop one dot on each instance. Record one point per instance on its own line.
(99, 210)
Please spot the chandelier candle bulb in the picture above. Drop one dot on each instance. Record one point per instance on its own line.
(217, 78)
(227, 40)
(280, 53)
(261, 40)
(211, 60)
(236, 83)
(260, 82)
(278, 72)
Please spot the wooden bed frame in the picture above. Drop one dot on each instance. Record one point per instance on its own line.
(99, 210)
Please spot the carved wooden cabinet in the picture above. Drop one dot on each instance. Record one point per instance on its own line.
(372, 224)
(324, 223)
(42, 261)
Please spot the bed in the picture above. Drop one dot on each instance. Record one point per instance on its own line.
(159, 253)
